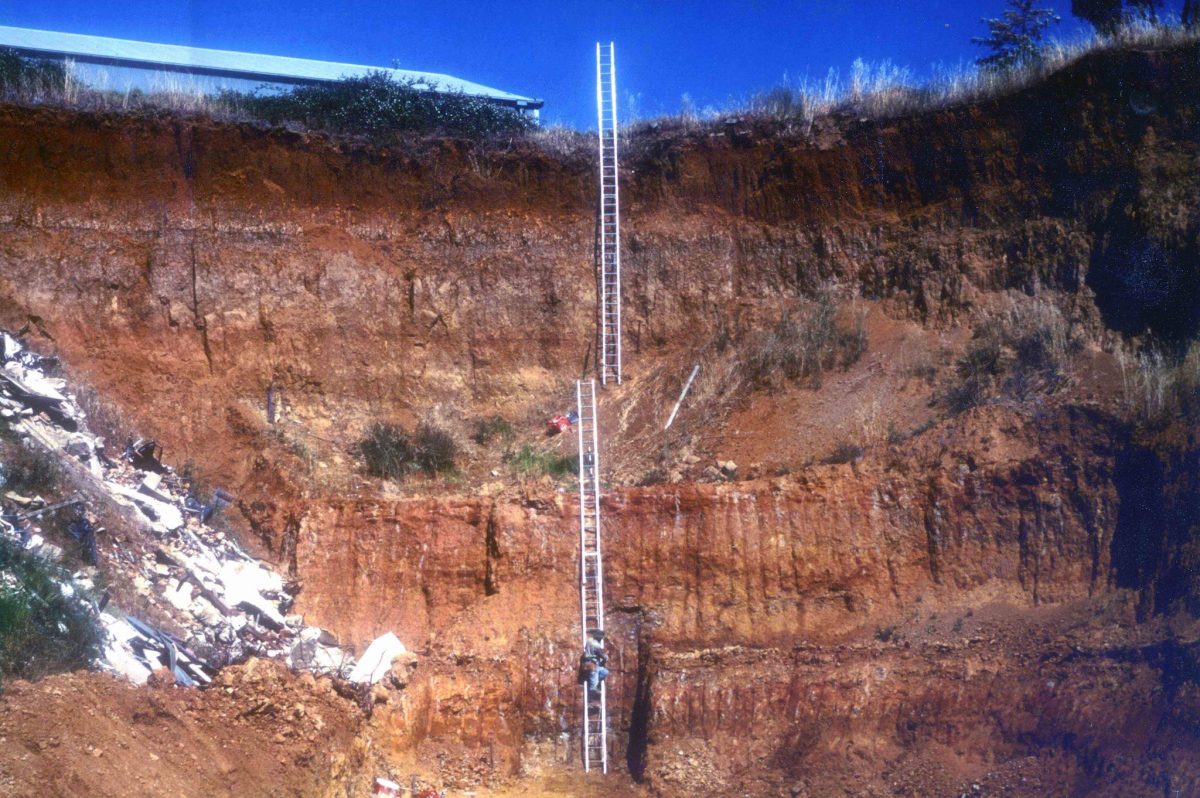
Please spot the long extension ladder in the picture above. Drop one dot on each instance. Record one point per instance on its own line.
(591, 568)
(610, 216)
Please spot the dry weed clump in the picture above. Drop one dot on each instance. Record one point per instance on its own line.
(804, 343)
(564, 141)
(1025, 349)
(818, 334)
(1158, 387)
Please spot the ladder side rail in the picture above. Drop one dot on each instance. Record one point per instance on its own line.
(599, 570)
(582, 514)
(603, 303)
(616, 192)
(603, 728)
(595, 724)
(587, 752)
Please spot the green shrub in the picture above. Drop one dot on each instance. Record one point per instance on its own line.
(490, 429)
(30, 471)
(529, 460)
(436, 450)
(377, 103)
(1015, 39)
(389, 451)
(42, 631)
(844, 453)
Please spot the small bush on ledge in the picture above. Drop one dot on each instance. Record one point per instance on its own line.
(529, 460)
(376, 103)
(390, 452)
(42, 629)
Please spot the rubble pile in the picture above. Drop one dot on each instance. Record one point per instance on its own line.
(229, 605)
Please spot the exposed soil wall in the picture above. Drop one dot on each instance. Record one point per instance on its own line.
(764, 628)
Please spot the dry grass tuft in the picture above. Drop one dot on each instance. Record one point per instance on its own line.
(1157, 387)
(1025, 349)
(885, 90)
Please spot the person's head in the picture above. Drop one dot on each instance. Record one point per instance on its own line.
(598, 634)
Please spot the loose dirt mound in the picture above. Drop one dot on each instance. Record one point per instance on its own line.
(258, 731)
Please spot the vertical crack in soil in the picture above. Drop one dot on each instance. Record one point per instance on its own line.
(640, 714)
(197, 318)
(490, 584)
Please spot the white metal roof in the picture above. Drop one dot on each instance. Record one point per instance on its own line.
(253, 65)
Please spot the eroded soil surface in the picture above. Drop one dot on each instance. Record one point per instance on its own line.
(885, 593)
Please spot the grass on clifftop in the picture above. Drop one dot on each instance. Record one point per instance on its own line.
(883, 90)
(374, 105)
(378, 106)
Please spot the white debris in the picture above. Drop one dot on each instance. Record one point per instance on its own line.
(206, 613)
(251, 576)
(150, 485)
(224, 603)
(159, 512)
(386, 786)
(309, 653)
(180, 596)
(43, 386)
(118, 655)
(377, 659)
(12, 347)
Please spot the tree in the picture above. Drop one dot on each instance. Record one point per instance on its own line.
(1107, 15)
(1104, 15)
(1147, 9)
(1191, 14)
(1015, 38)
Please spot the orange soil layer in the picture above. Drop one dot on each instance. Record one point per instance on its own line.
(183, 267)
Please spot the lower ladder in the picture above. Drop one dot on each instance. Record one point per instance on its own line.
(591, 569)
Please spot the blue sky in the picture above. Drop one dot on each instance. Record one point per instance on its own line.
(714, 52)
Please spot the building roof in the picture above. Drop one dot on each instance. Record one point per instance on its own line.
(253, 66)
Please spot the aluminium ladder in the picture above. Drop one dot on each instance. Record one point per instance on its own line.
(609, 250)
(591, 568)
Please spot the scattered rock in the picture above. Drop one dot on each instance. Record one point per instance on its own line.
(161, 677)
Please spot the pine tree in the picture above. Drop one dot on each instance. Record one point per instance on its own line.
(1191, 14)
(1106, 15)
(1015, 38)
(1146, 9)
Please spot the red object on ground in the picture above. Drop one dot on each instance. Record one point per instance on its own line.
(560, 423)
(386, 787)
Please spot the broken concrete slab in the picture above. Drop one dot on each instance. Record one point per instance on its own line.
(376, 661)
(159, 512)
(179, 596)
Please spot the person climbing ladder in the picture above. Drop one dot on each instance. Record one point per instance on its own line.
(593, 663)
